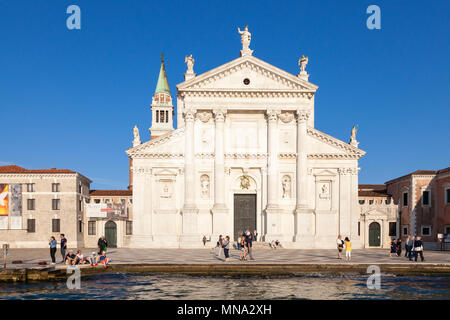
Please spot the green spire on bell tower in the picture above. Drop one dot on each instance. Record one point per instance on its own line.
(163, 85)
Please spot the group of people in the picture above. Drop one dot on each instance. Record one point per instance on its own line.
(344, 245)
(413, 248)
(76, 259)
(244, 244)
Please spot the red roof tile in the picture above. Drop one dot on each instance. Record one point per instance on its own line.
(110, 193)
(17, 169)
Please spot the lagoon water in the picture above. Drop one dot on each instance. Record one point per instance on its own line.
(123, 285)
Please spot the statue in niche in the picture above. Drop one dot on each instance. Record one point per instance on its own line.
(204, 184)
(286, 183)
(324, 194)
(166, 194)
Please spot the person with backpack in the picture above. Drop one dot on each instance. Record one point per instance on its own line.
(340, 246)
(100, 244)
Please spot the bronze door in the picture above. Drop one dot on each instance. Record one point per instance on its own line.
(244, 213)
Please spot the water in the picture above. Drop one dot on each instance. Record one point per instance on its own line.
(123, 285)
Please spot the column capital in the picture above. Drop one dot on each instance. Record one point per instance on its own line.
(272, 115)
(189, 114)
(302, 115)
(219, 114)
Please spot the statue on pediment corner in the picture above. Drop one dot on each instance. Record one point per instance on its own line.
(137, 139)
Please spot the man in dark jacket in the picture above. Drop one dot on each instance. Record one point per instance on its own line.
(418, 247)
(100, 244)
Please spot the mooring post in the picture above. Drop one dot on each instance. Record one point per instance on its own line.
(5, 253)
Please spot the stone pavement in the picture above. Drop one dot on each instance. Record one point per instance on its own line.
(30, 257)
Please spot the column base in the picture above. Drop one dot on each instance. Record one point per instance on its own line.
(273, 223)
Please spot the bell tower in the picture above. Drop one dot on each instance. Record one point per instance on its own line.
(162, 107)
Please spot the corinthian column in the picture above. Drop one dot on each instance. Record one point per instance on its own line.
(305, 220)
(273, 219)
(220, 209)
(302, 117)
(189, 236)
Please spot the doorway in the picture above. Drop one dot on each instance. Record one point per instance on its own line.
(244, 214)
(374, 234)
(111, 234)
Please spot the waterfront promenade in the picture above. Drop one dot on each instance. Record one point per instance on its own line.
(31, 257)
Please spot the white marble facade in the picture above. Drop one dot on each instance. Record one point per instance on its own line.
(245, 127)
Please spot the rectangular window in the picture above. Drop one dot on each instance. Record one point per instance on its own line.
(31, 204)
(370, 201)
(106, 200)
(55, 187)
(405, 199)
(167, 116)
(80, 226)
(80, 205)
(56, 203)
(91, 228)
(447, 196)
(359, 228)
(405, 230)
(426, 231)
(30, 187)
(157, 115)
(80, 188)
(96, 200)
(56, 225)
(426, 198)
(392, 229)
(447, 229)
(122, 201)
(31, 225)
(129, 228)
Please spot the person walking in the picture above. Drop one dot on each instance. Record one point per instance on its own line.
(204, 240)
(399, 247)
(63, 247)
(52, 245)
(411, 248)
(226, 248)
(348, 249)
(249, 241)
(408, 246)
(255, 235)
(340, 246)
(393, 248)
(418, 249)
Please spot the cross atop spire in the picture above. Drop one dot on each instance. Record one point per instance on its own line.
(163, 85)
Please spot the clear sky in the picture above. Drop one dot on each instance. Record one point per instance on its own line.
(70, 98)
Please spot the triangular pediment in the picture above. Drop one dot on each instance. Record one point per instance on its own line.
(171, 143)
(324, 146)
(262, 76)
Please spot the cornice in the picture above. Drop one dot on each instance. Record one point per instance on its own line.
(335, 142)
(140, 149)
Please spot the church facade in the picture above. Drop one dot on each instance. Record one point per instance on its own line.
(245, 155)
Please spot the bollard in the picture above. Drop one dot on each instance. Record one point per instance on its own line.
(5, 253)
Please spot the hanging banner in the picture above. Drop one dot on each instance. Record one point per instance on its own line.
(15, 206)
(105, 210)
(4, 199)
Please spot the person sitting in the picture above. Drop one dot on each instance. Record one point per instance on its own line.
(278, 244)
(79, 258)
(70, 258)
(104, 259)
(93, 259)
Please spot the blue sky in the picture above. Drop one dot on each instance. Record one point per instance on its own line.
(70, 98)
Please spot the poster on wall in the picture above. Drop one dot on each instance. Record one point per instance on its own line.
(4, 199)
(4, 206)
(15, 206)
(105, 210)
